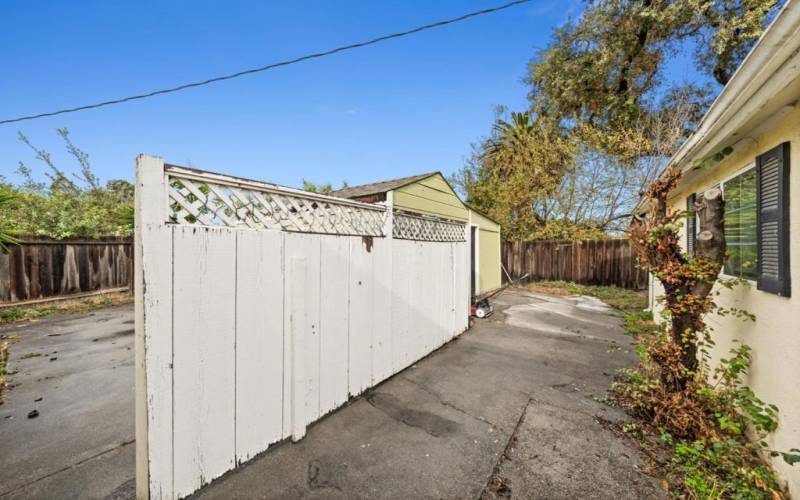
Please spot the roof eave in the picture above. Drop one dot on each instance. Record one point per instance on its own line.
(412, 180)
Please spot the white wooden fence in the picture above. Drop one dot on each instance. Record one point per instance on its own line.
(260, 309)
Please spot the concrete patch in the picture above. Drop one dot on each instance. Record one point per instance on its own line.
(429, 422)
(574, 315)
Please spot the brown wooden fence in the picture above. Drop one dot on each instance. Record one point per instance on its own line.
(42, 267)
(589, 262)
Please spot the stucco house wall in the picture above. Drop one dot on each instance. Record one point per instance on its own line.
(775, 335)
(756, 112)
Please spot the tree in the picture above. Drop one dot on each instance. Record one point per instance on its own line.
(521, 163)
(600, 190)
(729, 28)
(595, 191)
(687, 279)
(7, 231)
(68, 205)
(600, 87)
(604, 72)
(326, 188)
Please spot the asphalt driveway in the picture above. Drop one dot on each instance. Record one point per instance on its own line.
(76, 371)
(512, 409)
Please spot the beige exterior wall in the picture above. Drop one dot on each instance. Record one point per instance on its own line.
(489, 277)
(432, 196)
(775, 335)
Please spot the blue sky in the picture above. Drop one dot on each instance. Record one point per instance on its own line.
(395, 109)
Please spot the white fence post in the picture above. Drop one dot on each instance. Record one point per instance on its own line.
(384, 364)
(388, 228)
(153, 340)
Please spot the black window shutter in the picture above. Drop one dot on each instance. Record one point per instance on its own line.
(772, 195)
(691, 224)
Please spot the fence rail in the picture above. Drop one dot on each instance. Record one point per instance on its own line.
(588, 262)
(210, 199)
(42, 267)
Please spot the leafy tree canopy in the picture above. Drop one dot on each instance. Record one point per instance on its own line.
(604, 117)
(522, 161)
(606, 70)
(76, 205)
(326, 188)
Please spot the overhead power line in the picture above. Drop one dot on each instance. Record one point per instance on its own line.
(268, 67)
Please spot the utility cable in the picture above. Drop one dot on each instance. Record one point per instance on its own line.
(268, 67)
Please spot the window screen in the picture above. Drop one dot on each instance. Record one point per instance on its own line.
(691, 224)
(741, 231)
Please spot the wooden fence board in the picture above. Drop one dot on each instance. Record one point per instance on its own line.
(334, 301)
(259, 341)
(204, 310)
(361, 304)
(588, 262)
(41, 267)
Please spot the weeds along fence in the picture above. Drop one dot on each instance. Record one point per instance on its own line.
(41, 267)
(260, 308)
(588, 262)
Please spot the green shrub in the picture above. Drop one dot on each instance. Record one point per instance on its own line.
(18, 313)
(704, 426)
(724, 468)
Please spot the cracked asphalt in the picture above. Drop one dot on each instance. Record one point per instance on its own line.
(512, 409)
(77, 372)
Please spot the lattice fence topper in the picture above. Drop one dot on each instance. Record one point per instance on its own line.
(217, 200)
(414, 227)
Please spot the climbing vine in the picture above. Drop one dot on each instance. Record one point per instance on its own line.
(687, 279)
(712, 422)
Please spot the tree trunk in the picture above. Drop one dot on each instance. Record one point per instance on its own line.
(711, 239)
(710, 250)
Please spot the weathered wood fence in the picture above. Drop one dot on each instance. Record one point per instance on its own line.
(588, 262)
(260, 309)
(41, 267)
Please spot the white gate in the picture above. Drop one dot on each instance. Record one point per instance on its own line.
(260, 309)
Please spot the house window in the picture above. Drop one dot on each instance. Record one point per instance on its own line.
(741, 230)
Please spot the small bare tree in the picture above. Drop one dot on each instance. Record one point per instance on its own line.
(602, 189)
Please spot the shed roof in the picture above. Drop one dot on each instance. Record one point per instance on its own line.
(389, 185)
(379, 187)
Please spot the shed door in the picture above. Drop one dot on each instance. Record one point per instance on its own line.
(473, 242)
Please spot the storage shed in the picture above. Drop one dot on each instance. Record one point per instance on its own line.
(430, 194)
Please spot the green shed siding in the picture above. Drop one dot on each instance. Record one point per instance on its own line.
(489, 273)
(432, 196)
